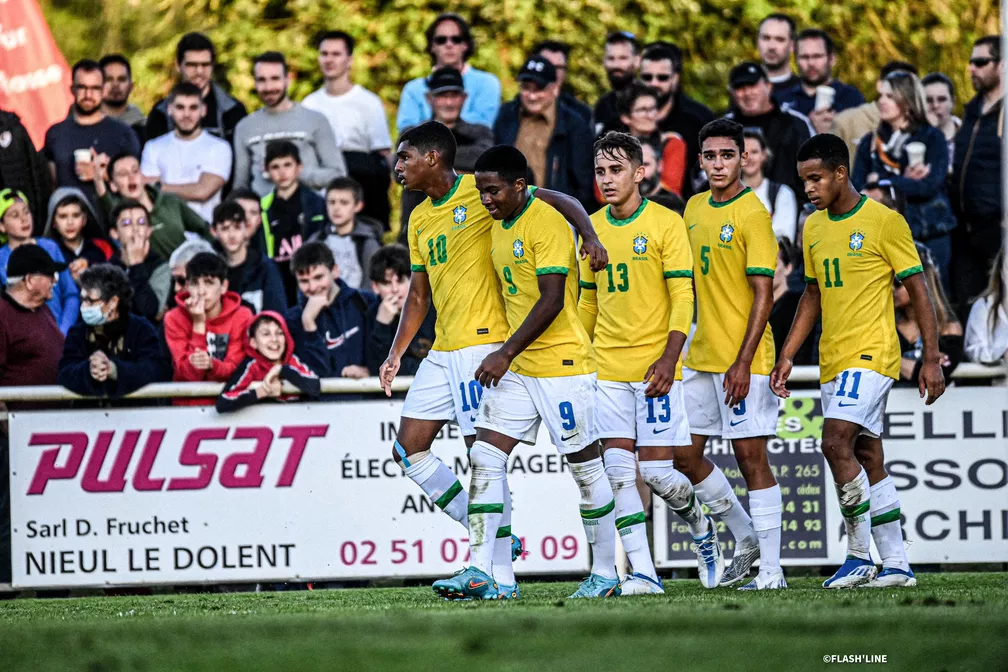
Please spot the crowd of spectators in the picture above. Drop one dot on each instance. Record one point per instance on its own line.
(201, 242)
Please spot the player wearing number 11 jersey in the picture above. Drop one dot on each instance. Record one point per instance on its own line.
(854, 249)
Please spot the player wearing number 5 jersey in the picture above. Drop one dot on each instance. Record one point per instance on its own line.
(854, 248)
(726, 375)
(449, 241)
(638, 310)
(543, 374)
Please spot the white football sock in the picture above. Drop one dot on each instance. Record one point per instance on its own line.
(486, 503)
(438, 482)
(621, 469)
(673, 487)
(716, 492)
(503, 566)
(597, 515)
(765, 506)
(855, 506)
(885, 525)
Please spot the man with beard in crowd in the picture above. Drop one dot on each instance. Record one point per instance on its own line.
(776, 42)
(118, 87)
(622, 59)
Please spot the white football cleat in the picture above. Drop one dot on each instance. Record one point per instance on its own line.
(710, 561)
(852, 573)
(892, 577)
(773, 581)
(640, 584)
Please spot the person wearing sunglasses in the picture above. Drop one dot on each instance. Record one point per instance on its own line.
(939, 94)
(450, 44)
(976, 176)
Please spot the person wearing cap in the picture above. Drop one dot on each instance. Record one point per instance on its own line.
(621, 61)
(558, 53)
(784, 129)
(31, 342)
(554, 138)
(16, 224)
(447, 97)
(450, 43)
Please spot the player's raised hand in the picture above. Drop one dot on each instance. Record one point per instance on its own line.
(595, 252)
(931, 381)
(660, 377)
(779, 376)
(736, 383)
(492, 368)
(387, 372)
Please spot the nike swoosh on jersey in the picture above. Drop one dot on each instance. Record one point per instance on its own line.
(691, 227)
(737, 422)
(843, 405)
(814, 244)
(659, 431)
(568, 438)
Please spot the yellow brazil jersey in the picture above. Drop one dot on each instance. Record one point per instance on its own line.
(644, 292)
(731, 241)
(449, 239)
(854, 258)
(539, 241)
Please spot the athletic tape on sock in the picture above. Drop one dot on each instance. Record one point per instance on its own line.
(401, 452)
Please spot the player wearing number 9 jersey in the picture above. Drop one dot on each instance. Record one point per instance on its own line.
(726, 372)
(638, 311)
(449, 240)
(854, 249)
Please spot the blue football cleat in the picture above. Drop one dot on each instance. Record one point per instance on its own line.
(467, 584)
(516, 548)
(506, 592)
(892, 577)
(773, 581)
(853, 572)
(598, 586)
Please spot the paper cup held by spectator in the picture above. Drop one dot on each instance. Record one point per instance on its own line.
(824, 96)
(82, 155)
(915, 153)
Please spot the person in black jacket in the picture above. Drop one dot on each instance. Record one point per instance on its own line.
(110, 352)
(390, 279)
(23, 168)
(149, 274)
(553, 138)
(253, 275)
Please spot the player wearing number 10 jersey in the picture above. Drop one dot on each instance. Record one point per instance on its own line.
(726, 372)
(854, 249)
(449, 241)
(638, 310)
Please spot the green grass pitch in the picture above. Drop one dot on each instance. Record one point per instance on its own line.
(949, 622)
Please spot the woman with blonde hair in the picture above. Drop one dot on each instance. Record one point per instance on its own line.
(987, 326)
(913, 155)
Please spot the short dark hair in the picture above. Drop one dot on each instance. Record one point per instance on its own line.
(347, 184)
(939, 78)
(627, 97)
(336, 35)
(828, 148)
(613, 144)
(670, 200)
(206, 265)
(86, 65)
(623, 37)
(228, 211)
(432, 136)
(281, 149)
(109, 280)
(777, 16)
(117, 59)
(124, 205)
(664, 51)
(119, 157)
(993, 42)
(245, 194)
(464, 30)
(896, 66)
(552, 45)
(194, 42)
(817, 34)
(724, 128)
(395, 257)
(185, 89)
(505, 160)
(270, 57)
(311, 254)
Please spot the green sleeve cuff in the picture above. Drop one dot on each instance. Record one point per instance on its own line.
(910, 271)
(548, 270)
(678, 274)
(587, 285)
(756, 270)
(418, 268)
(811, 281)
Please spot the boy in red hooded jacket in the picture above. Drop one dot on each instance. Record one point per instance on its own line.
(206, 331)
(271, 360)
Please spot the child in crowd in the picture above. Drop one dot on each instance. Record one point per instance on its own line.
(73, 224)
(270, 360)
(352, 238)
(16, 224)
(148, 273)
(291, 213)
(251, 274)
(206, 330)
(390, 279)
(252, 205)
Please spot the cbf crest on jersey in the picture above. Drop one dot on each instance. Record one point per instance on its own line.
(856, 240)
(459, 214)
(727, 231)
(518, 248)
(640, 244)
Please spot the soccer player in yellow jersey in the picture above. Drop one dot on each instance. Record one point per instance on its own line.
(449, 241)
(726, 373)
(543, 373)
(854, 249)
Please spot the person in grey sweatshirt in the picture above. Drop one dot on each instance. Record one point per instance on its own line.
(280, 118)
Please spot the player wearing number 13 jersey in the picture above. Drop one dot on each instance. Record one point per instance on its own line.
(854, 249)
(726, 372)
(638, 310)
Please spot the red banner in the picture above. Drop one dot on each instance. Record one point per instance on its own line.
(34, 76)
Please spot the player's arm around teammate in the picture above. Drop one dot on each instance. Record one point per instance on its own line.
(572, 210)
